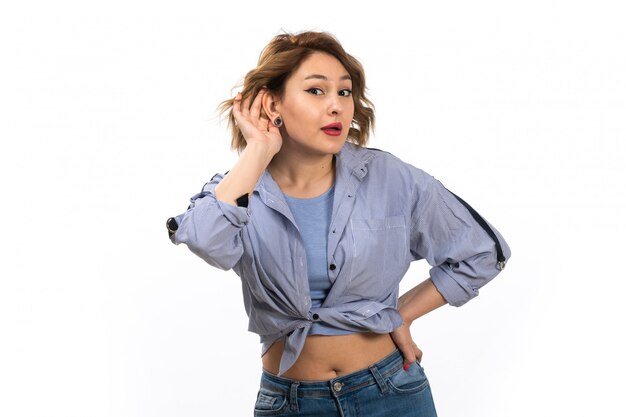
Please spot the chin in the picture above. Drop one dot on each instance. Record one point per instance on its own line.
(335, 146)
(323, 146)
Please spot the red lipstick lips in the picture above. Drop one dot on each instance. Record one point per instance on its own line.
(333, 129)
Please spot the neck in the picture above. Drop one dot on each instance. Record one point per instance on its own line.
(300, 174)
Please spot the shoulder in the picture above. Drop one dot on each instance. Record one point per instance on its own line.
(393, 169)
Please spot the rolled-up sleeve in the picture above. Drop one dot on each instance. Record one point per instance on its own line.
(212, 228)
(443, 231)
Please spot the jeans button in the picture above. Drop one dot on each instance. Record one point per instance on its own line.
(337, 386)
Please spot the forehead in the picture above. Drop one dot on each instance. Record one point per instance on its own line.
(320, 63)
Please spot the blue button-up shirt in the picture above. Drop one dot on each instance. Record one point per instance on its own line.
(386, 213)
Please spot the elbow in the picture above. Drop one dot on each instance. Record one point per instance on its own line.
(506, 252)
(212, 233)
(221, 261)
(217, 253)
(216, 247)
(459, 282)
(210, 228)
(454, 288)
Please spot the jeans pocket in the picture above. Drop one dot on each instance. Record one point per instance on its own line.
(270, 403)
(408, 382)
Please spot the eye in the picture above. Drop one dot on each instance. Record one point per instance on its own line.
(345, 92)
(315, 91)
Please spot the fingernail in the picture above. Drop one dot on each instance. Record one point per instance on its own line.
(406, 366)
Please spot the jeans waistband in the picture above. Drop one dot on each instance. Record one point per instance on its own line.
(341, 385)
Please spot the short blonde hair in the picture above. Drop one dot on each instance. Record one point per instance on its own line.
(282, 57)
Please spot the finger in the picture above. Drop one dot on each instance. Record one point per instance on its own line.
(255, 110)
(418, 354)
(237, 108)
(408, 355)
(237, 103)
(245, 107)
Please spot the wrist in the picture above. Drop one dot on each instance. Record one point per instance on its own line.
(406, 319)
(259, 150)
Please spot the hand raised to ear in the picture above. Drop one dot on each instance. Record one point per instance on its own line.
(254, 124)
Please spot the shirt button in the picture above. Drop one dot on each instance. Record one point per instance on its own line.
(337, 386)
(316, 316)
(333, 267)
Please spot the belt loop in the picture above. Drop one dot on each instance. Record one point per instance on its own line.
(293, 396)
(379, 379)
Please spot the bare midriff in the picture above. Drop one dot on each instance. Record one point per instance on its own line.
(327, 357)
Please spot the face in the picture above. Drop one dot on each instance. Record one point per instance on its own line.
(317, 106)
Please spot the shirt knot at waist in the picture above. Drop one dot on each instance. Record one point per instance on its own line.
(372, 316)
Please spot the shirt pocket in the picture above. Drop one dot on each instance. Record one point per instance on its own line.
(380, 253)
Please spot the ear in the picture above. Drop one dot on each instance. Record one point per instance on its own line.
(271, 104)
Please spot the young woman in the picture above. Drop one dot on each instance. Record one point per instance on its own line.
(321, 231)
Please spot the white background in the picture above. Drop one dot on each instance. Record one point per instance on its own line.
(108, 126)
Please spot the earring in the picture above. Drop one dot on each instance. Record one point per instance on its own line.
(278, 122)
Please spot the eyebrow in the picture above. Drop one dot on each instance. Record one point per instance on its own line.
(323, 77)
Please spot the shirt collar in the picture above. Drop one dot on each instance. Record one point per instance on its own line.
(351, 159)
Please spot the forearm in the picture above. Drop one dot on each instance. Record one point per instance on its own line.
(242, 178)
(420, 300)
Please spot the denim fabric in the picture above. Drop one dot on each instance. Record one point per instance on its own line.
(384, 389)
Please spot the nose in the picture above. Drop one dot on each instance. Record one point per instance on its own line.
(334, 105)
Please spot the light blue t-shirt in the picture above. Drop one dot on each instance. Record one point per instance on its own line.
(312, 216)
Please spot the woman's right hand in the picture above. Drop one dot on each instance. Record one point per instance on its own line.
(254, 124)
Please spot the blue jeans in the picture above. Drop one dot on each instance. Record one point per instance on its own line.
(383, 389)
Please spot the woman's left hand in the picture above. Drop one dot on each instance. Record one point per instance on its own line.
(403, 340)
